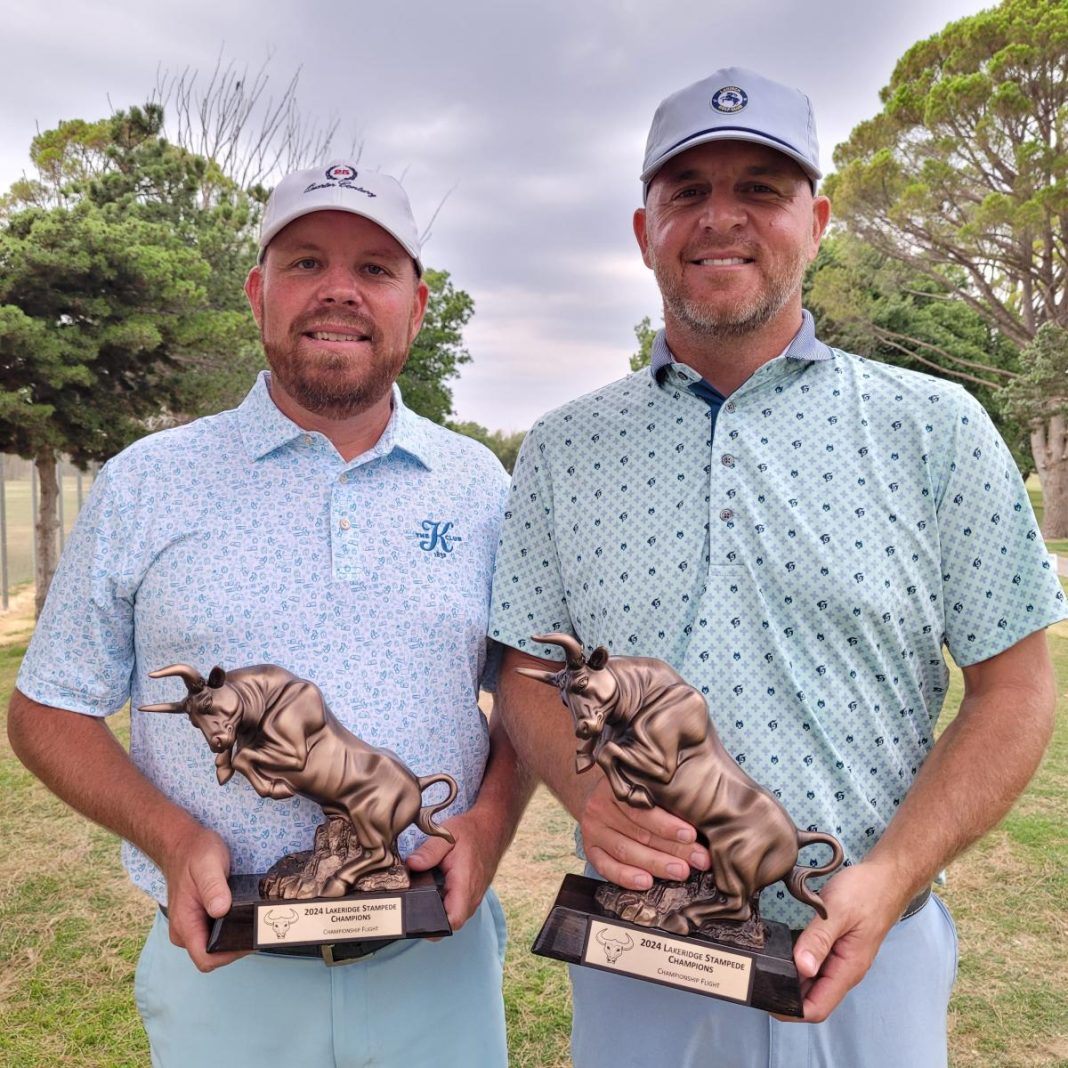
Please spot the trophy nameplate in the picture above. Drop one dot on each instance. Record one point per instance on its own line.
(363, 921)
(579, 931)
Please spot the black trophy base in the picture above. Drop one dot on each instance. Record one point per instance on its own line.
(579, 931)
(335, 928)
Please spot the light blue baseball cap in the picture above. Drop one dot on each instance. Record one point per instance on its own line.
(734, 104)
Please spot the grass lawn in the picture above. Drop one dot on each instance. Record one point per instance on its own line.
(71, 926)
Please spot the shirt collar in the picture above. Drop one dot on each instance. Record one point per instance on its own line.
(264, 428)
(804, 346)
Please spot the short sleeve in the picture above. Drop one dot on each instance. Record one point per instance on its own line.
(998, 583)
(81, 655)
(528, 588)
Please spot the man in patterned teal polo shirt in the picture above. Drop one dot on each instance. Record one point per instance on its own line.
(800, 533)
(324, 527)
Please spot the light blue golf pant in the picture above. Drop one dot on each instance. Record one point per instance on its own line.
(412, 1003)
(895, 1017)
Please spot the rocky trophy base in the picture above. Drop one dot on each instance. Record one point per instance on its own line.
(750, 963)
(336, 928)
(296, 909)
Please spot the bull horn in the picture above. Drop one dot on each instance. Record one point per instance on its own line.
(629, 942)
(169, 706)
(536, 673)
(194, 681)
(600, 936)
(571, 646)
(270, 917)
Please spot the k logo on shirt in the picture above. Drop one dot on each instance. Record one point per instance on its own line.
(436, 537)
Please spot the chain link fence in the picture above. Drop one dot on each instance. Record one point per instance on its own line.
(18, 511)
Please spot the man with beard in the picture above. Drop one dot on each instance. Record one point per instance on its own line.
(798, 532)
(324, 527)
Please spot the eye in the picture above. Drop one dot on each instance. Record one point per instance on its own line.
(306, 263)
(763, 189)
(687, 193)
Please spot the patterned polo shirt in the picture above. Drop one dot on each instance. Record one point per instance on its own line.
(803, 563)
(241, 539)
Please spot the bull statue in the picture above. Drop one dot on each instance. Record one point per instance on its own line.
(651, 735)
(276, 730)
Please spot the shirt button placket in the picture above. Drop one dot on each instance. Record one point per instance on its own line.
(344, 544)
(730, 462)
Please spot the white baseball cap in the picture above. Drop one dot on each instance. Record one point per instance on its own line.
(339, 186)
(734, 104)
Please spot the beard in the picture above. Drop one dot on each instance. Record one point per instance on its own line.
(748, 314)
(336, 385)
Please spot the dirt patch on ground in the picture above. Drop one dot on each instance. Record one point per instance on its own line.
(16, 624)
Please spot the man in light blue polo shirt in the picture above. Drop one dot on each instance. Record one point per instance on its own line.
(324, 527)
(800, 533)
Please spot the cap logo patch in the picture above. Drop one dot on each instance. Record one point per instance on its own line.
(343, 176)
(729, 99)
(341, 172)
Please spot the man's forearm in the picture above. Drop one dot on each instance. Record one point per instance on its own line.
(541, 732)
(979, 766)
(79, 759)
(506, 787)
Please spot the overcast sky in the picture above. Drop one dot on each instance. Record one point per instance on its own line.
(530, 117)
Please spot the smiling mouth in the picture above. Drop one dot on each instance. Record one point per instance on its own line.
(722, 261)
(333, 335)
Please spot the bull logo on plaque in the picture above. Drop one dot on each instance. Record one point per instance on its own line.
(651, 734)
(350, 891)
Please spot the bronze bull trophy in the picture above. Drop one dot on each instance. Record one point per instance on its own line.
(651, 734)
(277, 731)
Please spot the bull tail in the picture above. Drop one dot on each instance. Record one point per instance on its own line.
(423, 820)
(795, 881)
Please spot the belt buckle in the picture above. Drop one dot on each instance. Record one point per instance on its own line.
(327, 952)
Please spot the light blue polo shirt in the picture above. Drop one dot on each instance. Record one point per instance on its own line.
(803, 563)
(241, 539)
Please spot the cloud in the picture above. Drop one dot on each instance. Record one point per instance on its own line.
(521, 125)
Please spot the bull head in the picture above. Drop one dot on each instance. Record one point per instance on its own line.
(280, 922)
(217, 723)
(614, 947)
(587, 696)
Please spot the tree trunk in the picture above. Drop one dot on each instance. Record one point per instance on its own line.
(46, 526)
(1049, 447)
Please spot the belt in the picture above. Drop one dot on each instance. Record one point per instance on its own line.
(331, 954)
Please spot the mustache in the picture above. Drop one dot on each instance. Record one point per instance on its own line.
(360, 324)
(713, 250)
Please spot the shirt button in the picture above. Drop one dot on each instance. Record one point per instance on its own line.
(307, 439)
(726, 514)
(727, 460)
(344, 524)
(729, 406)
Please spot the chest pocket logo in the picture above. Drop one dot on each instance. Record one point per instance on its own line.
(436, 537)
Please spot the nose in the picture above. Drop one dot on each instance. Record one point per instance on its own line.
(722, 211)
(339, 285)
